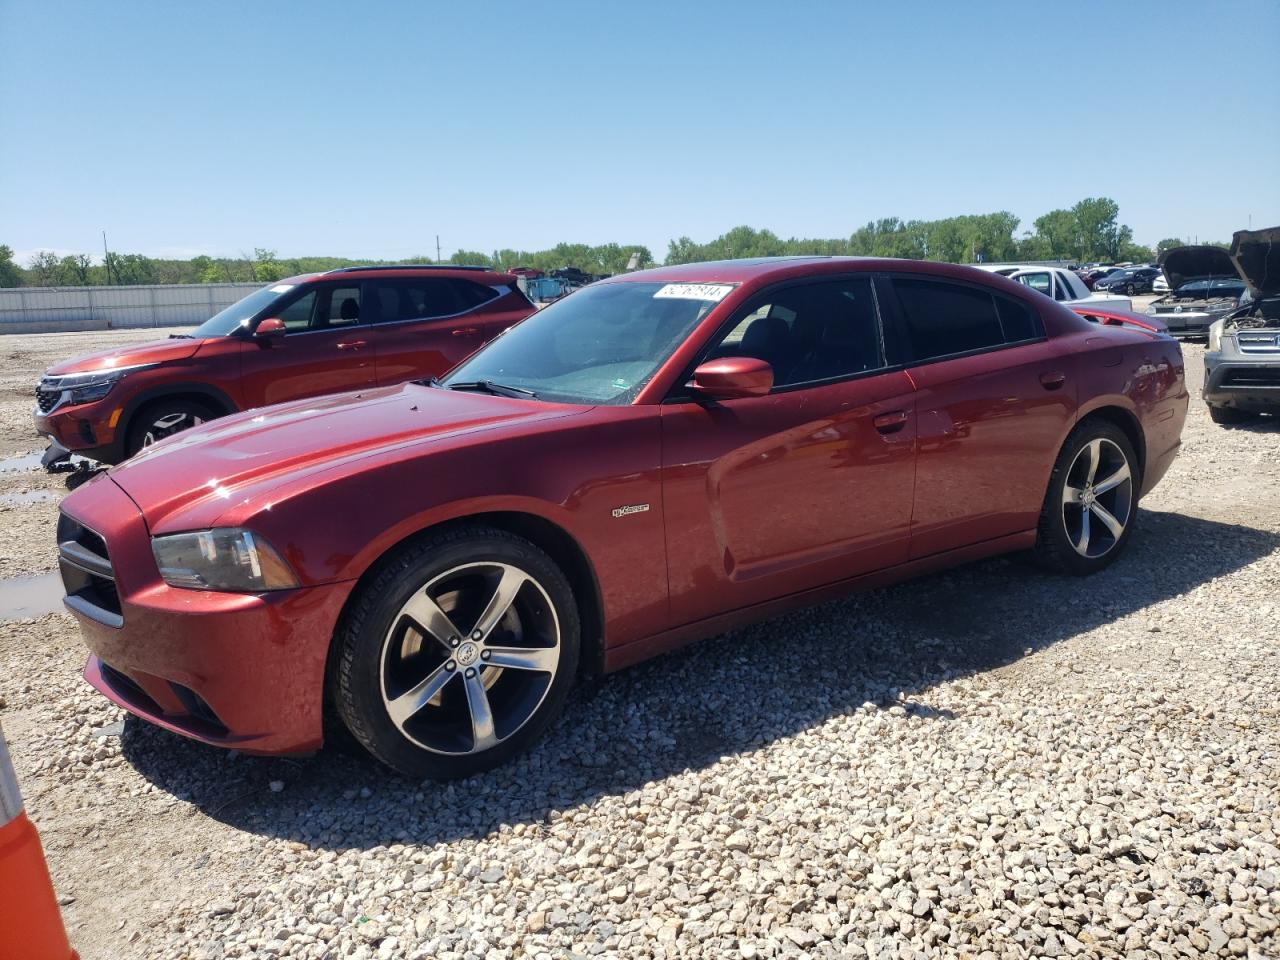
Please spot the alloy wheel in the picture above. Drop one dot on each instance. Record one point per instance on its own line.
(1097, 498)
(469, 658)
(168, 425)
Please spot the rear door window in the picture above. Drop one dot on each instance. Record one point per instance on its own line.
(416, 298)
(944, 318)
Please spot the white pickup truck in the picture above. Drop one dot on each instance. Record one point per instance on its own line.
(1057, 282)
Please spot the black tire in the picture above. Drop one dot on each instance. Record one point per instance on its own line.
(145, 422)
(370, 640)
(1228, 416)
(1130, 290)
(1062, 526)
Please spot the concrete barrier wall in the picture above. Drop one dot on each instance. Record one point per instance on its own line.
(50, 309)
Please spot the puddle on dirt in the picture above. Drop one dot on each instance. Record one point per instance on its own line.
(26, 461)
(27, 496)
(22, 597)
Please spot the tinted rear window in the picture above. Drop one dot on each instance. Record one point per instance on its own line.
(946, 318)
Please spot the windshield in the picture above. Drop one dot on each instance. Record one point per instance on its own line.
(600, 345)
(1223, 286)
(238, 315)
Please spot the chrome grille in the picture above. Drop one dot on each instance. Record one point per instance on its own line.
(1258, 342)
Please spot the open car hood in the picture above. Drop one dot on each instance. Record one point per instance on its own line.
(1185, 264)
(1256, 255)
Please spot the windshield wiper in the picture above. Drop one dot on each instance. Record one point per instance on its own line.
(489, 386)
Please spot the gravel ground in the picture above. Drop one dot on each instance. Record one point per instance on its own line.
(987, 763)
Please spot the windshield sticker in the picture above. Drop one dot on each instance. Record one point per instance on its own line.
(711, 292)
(282, 288)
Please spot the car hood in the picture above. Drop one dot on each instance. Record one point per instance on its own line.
(153, 351)
(1256, 255)
(1185, 264)
(248, 457)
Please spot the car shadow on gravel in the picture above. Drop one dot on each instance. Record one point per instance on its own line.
(731, 694)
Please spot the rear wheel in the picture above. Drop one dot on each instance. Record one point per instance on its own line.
(1229, 415)
(1092, 500)
(163, 418)
(457, 654)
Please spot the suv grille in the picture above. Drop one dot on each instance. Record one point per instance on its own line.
(1258, 342)
(87, 573)
(47, 399)
(1252, 377)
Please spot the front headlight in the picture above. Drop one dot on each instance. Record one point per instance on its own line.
(1222, 307)
(88, 387)
(1215, 335)
(1151, 310)
(229, 559)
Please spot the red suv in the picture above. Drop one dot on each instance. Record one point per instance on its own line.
(348, 329)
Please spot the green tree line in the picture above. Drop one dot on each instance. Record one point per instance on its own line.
(1088, 231)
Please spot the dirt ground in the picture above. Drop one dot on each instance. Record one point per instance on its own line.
(148, 835)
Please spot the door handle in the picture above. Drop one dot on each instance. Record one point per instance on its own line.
(465, 331)
(1052, 381)
(353, 344)
(891, 422)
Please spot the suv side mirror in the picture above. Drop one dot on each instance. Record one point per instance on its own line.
(729, 378)
(269, 330)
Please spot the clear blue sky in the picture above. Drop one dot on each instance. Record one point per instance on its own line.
(364, 129)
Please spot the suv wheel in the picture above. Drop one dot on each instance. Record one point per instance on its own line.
(457, 654)
(164, 418)
(1092, 502)
(1130, 289)
(1229, 415)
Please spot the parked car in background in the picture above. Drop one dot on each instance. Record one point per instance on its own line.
(1129, 281)
(1205, 287)
(1242, 365)
(651, 460)
(531, 272)
(349, 329)
(1059, 283)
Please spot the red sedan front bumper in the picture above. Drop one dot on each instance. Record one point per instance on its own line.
(234, 670)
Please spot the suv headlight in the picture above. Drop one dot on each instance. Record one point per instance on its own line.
(88, 387)
(1222, 307)
(228, 558)
(1215, 334)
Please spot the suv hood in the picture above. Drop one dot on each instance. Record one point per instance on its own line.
(153, 351)
(1256, 255)
(1185, 264)
(187, 481)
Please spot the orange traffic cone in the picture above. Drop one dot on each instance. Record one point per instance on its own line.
(30, 924)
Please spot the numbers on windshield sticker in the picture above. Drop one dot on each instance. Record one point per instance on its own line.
(711, 292)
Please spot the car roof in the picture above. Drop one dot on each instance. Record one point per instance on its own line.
(479, 274)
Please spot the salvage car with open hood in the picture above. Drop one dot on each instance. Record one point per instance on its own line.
(1204, 286)
(1242, 366)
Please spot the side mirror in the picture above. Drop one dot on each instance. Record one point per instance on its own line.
(732, 377)
(269, 330)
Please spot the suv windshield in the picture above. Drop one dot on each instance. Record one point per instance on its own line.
(238, 315)
(600, 345)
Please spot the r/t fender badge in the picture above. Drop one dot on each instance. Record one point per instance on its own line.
(629, 509)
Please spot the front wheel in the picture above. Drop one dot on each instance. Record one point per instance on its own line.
(457, 654)
(1092, 501)
(1229, 415)
(163, 418)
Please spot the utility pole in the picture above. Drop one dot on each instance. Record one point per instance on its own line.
(437, 248)
(106, 262)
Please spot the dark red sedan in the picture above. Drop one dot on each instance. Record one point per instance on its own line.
(656, 458)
